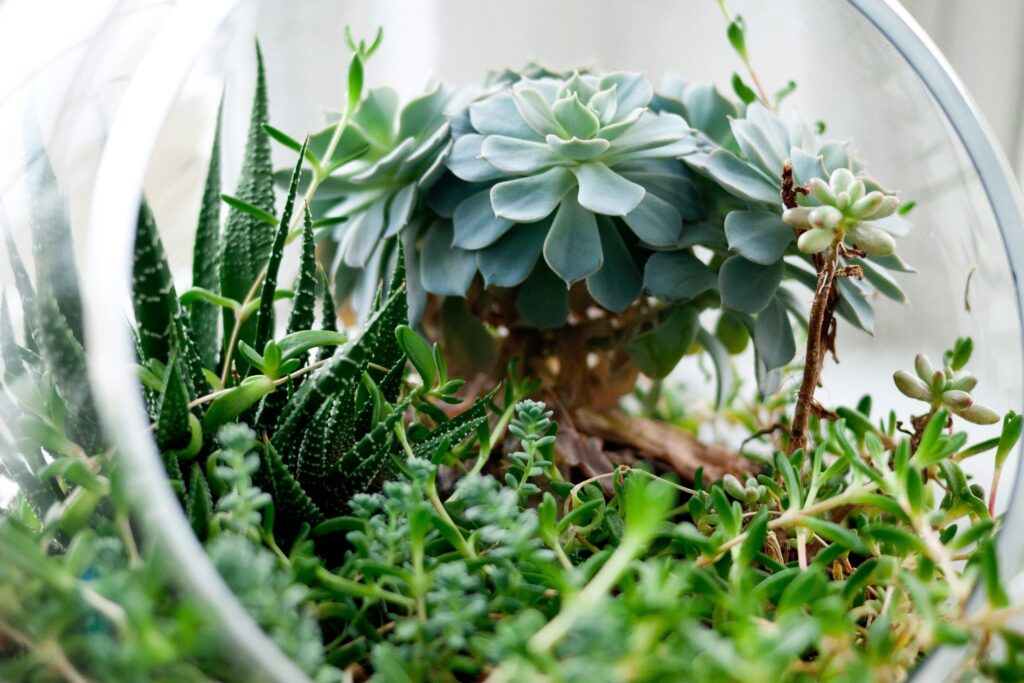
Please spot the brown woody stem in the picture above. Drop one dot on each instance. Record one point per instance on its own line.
(817, 331)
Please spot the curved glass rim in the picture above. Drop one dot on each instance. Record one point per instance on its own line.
(118, 189)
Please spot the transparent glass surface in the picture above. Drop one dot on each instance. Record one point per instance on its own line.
(849, 73)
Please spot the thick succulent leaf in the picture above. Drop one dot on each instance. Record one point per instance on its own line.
(573, 246)
(657, 351)
(52, 251)
(304, 301)
(247, 240)
(172, 427)
(515, 156)
(543, 300)
(497, 115)
(357, 469)
(376, 116)
(465, 161)
(199, 503)
(342, 373)
(773, 336)
(746, 286)
(701, 233)
(882, 281)
(292, 506)
(708, 111)
(677, 276)
(476, 226)
(724, 376)
(159, 319)
(604, 191)
(153, 295)
(632, 90)
(454, 430)
(574, 116)
(854, 308)
(759, 236)
(739, 178)
(362, 234)
(65, 363)
(806, 166)
(22, 282)
(756, 146)
(663, 136)
(673, 188)
(536, 112)
(446, 270)
(400, 209)
(10, 351)
(619, 282)
(422, 113)
(204, 316)
(578, 150)
(509, 261)
(655, 222)
(530, 199)
(265, 315)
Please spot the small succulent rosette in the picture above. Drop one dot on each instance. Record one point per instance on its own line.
(944, 388)
(743, 151)
(578, 170)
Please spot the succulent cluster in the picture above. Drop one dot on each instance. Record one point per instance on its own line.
(843, 214)
(944, 388)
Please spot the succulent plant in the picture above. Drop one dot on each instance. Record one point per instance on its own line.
(556, 166)
(843, 214)
(944, 388)
(395, 153)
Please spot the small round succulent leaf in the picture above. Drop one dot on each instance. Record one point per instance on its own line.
(798, 217)
(815, 240)
(866, 205)
(821, 191)
(824, 217)
(978, 414)
(872, 240)
(923, 367)
(957, 400)
(840, 180)
(911, 386)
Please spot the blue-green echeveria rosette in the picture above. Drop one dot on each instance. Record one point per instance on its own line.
(398, 153)
(744, 158)
(564, 168)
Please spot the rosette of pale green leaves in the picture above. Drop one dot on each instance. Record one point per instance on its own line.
(398, 152)
(944, 388)
(844, 213)
(564, 168)
(743, 152)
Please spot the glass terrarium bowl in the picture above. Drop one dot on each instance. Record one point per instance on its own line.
(860, 65)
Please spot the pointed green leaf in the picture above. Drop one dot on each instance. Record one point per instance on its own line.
(203, 316)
